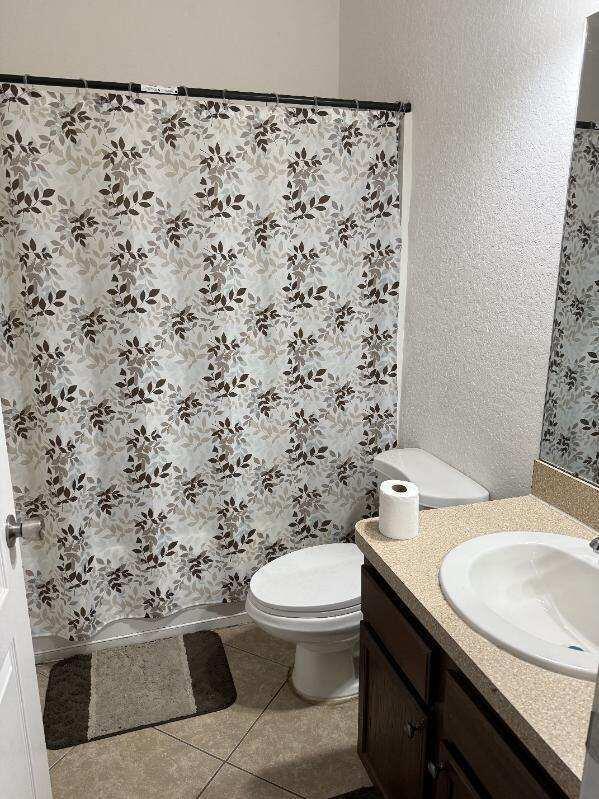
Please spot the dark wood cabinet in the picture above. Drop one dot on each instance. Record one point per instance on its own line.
(408, 646)
(451, 779)
(393, 726)
(425, 732)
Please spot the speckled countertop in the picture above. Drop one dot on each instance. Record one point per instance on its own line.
(548, 712)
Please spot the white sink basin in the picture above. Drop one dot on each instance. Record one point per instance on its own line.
(534, 594)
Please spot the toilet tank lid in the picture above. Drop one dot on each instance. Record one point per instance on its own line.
(439, 483)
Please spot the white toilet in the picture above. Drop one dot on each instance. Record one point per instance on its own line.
(311, 597)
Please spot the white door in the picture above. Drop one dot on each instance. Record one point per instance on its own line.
(23, 763)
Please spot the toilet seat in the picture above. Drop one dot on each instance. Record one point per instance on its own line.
(302, 614)
(316, 582)
(289, 627)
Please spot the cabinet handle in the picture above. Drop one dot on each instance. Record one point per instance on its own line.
(411, 727)
(434, 769)
(451, 765)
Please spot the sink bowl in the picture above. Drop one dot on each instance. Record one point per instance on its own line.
(535, 595)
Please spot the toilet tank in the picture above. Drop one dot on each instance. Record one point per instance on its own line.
(439, 484)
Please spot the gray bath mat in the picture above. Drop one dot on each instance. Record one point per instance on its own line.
(119, 690)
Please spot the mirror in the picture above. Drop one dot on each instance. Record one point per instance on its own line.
(570, 434)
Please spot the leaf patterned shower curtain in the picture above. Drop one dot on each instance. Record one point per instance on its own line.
(570, 436)
(198, 365)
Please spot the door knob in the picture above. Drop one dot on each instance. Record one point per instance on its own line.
(29, 530)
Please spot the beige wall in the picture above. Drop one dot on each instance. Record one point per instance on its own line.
(288, 46)
(494, 87)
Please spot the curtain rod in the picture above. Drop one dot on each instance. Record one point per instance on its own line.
(218, 94)
(586, 125)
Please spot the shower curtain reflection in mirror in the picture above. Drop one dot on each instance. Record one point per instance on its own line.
(570, 434)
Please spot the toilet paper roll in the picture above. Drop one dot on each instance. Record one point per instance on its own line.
(399, 503)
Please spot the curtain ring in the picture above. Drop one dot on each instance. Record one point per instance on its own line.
(316, 102)
(185, 92)
(83, 86)
(130, 88)
(25, 79)
(357, 105)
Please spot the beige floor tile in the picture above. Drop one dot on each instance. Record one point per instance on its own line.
(232, 783)
(55, 756)
(138, 765)
(309, 749)
(42, 685)
(44, 669)
(251, 639)
(257, 681)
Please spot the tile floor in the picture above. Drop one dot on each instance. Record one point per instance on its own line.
(268, 745)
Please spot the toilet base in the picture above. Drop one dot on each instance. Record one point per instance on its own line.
(325, 673)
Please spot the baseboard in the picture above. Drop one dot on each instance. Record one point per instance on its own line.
(139, 631)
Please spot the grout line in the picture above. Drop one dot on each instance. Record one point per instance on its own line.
(62, 757)
(42, 670)
(249, 652)
(197, 748)
(210, 780)
(192, 746)
(256, 720)
(275, 784)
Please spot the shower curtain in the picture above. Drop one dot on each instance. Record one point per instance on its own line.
(198, 365)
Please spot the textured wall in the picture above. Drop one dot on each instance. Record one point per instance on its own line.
(280, 45)
(494, 87)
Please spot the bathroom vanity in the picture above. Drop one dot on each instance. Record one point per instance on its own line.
(443, 712)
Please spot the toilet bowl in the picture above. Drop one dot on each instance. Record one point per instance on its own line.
(311, 597)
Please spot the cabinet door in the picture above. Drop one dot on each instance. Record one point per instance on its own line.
(393, 726)
(452, 782)
(491, 751)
